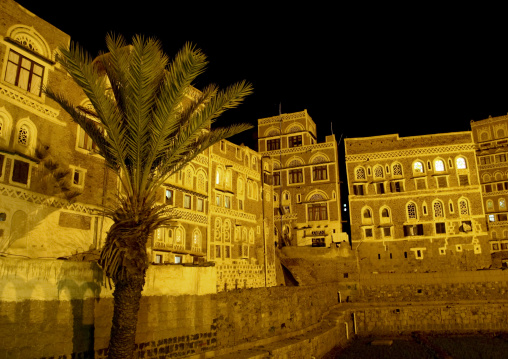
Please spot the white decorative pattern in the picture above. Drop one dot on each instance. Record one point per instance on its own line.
(283, 117)
(408, 153)
(27, 103)
(284, 151)
(237, 167)
(233, 214)
(187, 215)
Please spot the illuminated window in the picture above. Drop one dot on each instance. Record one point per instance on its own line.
(317, 212)
(200, 205)
(24, 73)
(295, 141)
(490, 205)
(169, 197)
(439, 166)
(411, 211)
(502, 204)
(418, 167)
(187, 201)
(360, 173)
(296, 176)
(461, 163)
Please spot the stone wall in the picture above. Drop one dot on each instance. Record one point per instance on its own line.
(59, 309)
(432, 317)
(416, 287)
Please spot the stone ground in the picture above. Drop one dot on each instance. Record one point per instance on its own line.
(423, 346)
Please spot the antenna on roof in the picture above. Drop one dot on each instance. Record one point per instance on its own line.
(331, 126)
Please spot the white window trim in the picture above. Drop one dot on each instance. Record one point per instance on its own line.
(30, 166)
(81, 170)
(415, 250)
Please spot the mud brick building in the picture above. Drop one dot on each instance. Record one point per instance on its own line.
(491, 138)
(306, 196)
(53, 183)
(416, 203)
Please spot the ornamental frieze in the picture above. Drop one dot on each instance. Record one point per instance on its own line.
(237, 167)
(284, 117)
(410, 153)
(229, 213)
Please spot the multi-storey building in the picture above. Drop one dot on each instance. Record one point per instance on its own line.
(491, 138)
(53, 183)
(306, 195)
(416, 203)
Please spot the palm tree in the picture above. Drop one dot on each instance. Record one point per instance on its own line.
(145, 135)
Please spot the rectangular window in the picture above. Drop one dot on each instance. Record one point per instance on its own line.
(84, 141)
(440, 228)
(295, 141)
(488, 188)
(499, 186)
(442, 182)
(413, 230)
(276, 178)
(24, 73)
(358, 189)
(501, 157)
(1, 164)
(387, 232)
(227, 201)
(396, 186)
(78, 178)
(272, 145)
(492, 218)
(218, 252)
(158, 258)
(296, 176)
(380, 187)
(187, 201)
(495, 246)
(200, 205)
(502, 217)
(178, 259)
(169, 197)
(368, 233)
(227, 252)
(421, 184)
(244, 251)
(463, 180)
(485, 160)
(240, 205)
(20, 172)
(218, 200)
(319, 173)
(317, 212)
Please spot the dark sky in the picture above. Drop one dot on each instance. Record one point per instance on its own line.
(368, 70)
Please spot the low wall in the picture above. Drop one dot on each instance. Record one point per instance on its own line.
(431, 316)
(59, 309)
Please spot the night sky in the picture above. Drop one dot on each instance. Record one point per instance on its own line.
(368, 70)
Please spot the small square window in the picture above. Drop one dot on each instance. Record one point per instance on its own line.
(187, 201)
(368, 232)
(78, 178)
(169, 196)
(20, 172)
(178, 259)
(200, 205)
(158, 258)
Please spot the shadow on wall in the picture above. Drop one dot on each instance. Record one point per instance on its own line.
(34, 312)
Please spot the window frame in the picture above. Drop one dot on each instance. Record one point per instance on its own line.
(19, 66)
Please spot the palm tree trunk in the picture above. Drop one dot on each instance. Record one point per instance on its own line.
(127, 296)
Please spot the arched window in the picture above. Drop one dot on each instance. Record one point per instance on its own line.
(227, 230)
(502, 204)
(378, 172)
(438, 209)
(240, 186)
(461, 163)
(228, 178)
(486, 177)
(484, 136)
(490, 205)
(179, 238)
(218, 230)
(385, 213)
(189, 176)
(397, 169)
(439, 166)
(255, 191)
(360, 173)
(418, 167)
(244, 234)
(251, 236)
(366, 216)
(500, 133)
(464, 208)
(218, 176)
(196, 240)
(254, 162)
(201, 182)
(411, 210)
(24, 135)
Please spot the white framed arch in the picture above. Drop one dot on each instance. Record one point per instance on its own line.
(272, 131)
(28, 37)
(319, 158)
(5, 126)
(201, 184)
(294, 127)
(316, 195)
(25, 136)
(367, 215)
(295, 162)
